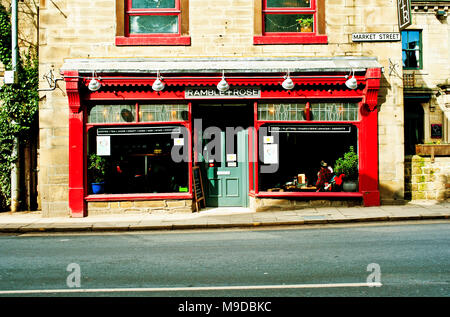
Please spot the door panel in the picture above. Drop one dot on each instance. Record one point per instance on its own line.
(226, 183)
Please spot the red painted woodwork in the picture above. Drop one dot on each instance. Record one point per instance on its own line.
(134, 88)
(153, 40)
(125, 197)
(77, 204)
(309, 194)
(291, 39)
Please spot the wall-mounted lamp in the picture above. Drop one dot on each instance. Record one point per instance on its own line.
(223, 85)
(351, 83)
(158, 85)
(287, 83)
(94, 84)
(441, 14)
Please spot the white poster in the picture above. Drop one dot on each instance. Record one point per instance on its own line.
(231, 157)
(270, 153)
(268, 139)
(178, 141)
(104, 145)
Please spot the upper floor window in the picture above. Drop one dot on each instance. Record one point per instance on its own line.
(412, 49)
(289, 16)
(290, 22)
(152, 22)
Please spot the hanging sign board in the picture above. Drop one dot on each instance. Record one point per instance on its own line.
(213, 92)
(404, 13)
(436, 131)
(376, 37)
(138, 130)
(311, 129)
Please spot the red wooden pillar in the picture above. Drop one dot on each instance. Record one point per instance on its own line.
(77, 203)
(368, 140)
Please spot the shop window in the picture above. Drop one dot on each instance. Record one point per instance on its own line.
(289, 22)
(112, 114)
(334, 111)
(147, 113)
(412, 49)
(160, 113)
(338, 111)
(135, 159)
(148, 22)
(300, 150)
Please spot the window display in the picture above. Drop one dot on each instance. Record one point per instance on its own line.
(307, 155)
(139, 161)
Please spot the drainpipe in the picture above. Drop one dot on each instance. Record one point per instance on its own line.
(15, 171)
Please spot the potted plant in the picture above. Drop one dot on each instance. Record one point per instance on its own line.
(348, 165)
(306, 24)
(96, 168)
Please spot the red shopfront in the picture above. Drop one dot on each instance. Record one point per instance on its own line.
(318, 119)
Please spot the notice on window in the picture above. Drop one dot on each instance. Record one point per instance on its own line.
(178, 141)
(104, 145)
(231, 157)
(270, 154)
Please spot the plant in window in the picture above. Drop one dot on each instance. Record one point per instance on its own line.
(97, 170)
(347, 165)
(306, 23)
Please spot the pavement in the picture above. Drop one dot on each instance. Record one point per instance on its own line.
(32, 221)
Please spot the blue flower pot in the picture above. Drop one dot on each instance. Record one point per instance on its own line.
(98, 188)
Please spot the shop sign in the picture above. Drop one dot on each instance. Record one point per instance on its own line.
(213, 92)
(376, 37)
(404, 13)
(138, 130)
(310, 129)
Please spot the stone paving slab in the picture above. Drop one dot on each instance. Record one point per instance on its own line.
(23, 222)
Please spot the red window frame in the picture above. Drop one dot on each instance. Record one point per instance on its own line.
(138, 196)
(290, 37)
(152, 38)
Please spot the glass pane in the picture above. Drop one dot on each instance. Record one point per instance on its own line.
(334, 111)
(289, 23)
(161, 113)
(404, 40)
(153, 24)
(412, 59)
(404, 58)
(413, 40)
(288, 3)
(112, 114)
(281, 112)
(152, 4)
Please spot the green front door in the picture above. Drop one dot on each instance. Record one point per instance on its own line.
(226, 177)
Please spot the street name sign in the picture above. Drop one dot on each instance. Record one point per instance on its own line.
(376, 37)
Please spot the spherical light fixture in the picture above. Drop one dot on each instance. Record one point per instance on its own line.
(158, 85)
(94, 84)
(288, 83)
(351, 82)
(223, 85)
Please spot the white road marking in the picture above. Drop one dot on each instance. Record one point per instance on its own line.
(182, 289)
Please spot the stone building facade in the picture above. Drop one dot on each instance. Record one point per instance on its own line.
(92, 32)
(427, 104)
